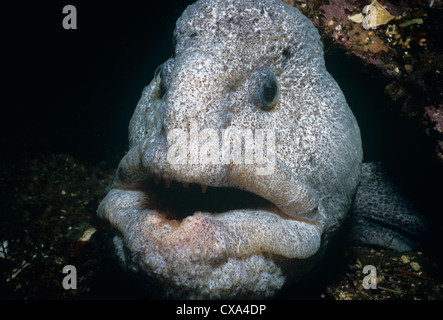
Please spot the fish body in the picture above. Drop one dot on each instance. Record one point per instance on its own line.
(244, 156)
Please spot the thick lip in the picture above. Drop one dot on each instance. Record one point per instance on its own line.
(287, 223)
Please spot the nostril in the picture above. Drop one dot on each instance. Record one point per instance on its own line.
(162, 129)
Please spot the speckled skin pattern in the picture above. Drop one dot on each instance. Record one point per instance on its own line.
(382, 216)
(221, 48)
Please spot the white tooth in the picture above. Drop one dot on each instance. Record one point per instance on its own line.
(204, 187)
(186, 185)
(167, 183)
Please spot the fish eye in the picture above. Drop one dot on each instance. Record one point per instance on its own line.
(159, 73)
(264, 90)
(163, 72)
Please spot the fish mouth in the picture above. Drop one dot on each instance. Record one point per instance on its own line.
(171, 215)
(174, 201)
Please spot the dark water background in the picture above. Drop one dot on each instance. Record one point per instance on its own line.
(74, 91)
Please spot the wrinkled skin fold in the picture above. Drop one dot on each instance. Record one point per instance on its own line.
(248, 66)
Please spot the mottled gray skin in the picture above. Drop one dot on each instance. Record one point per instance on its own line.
(221, 48)
(381, 215)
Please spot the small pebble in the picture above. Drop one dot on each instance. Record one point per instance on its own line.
(405, 259)
(415, 266)
(87, 234)
(409, 68)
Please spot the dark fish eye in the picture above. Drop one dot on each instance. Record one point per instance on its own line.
(158, 70)
(264, 90)
(163, 71)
